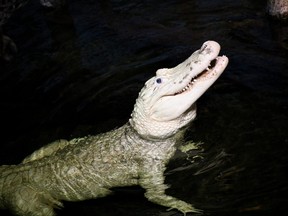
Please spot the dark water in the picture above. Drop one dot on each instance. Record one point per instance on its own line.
(78, 71)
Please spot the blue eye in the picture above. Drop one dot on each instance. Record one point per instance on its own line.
(159, 80)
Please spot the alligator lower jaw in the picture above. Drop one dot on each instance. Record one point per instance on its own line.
(205, 73)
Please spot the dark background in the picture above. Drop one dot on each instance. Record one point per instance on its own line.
(79, 69)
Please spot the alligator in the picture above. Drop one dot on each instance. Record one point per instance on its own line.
(133, 154)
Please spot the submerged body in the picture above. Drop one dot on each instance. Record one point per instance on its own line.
(134, 154)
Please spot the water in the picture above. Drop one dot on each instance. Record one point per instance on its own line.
(78, 71)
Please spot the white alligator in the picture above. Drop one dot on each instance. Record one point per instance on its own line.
(134, 154)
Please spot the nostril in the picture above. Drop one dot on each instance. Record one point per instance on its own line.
(203, 48)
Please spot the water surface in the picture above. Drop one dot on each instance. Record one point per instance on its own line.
(78, 71)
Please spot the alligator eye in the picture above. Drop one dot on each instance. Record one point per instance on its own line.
(159, 80)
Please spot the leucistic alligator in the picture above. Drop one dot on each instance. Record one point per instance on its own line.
(134, 154)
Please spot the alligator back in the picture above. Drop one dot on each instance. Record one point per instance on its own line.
(5, 170)
(21, 197)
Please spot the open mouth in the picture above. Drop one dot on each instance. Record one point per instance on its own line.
(194, 79)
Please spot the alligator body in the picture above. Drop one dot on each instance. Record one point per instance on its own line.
(134, 154)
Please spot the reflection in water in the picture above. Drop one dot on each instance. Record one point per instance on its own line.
(79, 70)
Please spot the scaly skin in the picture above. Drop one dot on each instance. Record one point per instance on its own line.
(134, 154)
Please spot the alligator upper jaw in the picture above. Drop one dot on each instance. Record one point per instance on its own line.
(213, 70)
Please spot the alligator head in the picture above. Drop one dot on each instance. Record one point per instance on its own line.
(167, 101)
